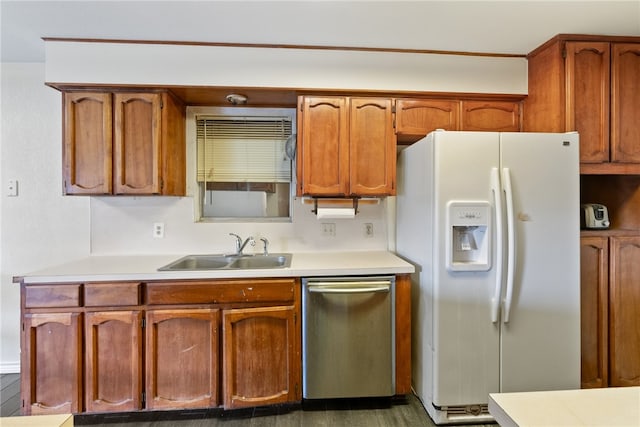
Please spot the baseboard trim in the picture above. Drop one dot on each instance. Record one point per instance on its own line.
(9, 367)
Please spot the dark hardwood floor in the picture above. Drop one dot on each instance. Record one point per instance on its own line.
(406, 412)
(10, 395)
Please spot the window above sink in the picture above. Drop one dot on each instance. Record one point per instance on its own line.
(241, 163)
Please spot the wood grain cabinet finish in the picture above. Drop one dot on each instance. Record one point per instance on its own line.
(594, 303)
(51, 360)
(490, 116)
(624, 300)
(171, 344)
(261, 356)
(589, 85)
(415, 118)
(123, 143)
(625, 102)
(323, 155)
(610, 294)
(182, 358)
(113, 353)
(88, 130)
(347, 146)
(588, 94)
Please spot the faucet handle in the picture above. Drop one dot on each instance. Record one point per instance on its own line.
(266, 245)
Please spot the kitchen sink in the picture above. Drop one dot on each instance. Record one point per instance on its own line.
(220, 262)
(262, 261)
(198, 262)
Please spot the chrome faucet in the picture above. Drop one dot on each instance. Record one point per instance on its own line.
(266, 246)
(240, 244)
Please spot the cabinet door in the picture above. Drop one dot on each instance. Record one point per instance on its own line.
(261, 357)
(87, 142)
(594, 301)
(625, 102)
(324, 152)
(587, 98)
(137, 138)
(182, 359)
(51, 357)
(372, 147)
(490, 116)
(415, 118)
(624, 300)
(113, 353)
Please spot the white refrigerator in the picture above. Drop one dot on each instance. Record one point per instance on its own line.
(491, 221)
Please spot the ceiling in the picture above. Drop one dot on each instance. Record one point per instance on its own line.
(507, 26)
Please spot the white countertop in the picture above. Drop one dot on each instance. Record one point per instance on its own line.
(99, 268)
(602, 407)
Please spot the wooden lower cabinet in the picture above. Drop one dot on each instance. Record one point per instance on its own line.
(171, 345)
(624, 316)
(261, 356)
(113, 354)
(182, 358)
(610, 295)
(594, 302)
(51, 358)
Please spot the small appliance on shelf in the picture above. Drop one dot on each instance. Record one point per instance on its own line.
(594, 216)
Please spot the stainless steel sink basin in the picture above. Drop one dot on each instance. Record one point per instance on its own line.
(198, 262)
(262, 261)
(236, 262)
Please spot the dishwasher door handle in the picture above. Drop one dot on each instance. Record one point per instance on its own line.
(349, 287)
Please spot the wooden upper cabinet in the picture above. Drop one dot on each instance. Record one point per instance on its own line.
(415, 118)
(587, 98)
(625, 102)
(589, 85)
(87, 143)
(124, 143)
(372, 147)
(324, 154)
(347, 146)
(490, 116)
(137, 143)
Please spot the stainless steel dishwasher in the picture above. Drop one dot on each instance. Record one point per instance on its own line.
(348, 337)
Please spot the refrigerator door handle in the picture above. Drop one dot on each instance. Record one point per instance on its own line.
(511, 244)
(497, 198)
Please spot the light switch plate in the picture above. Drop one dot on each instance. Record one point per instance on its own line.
(12, 188)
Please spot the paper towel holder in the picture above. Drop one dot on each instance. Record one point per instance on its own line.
(354, 201)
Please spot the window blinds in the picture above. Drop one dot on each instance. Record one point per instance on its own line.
(243, 149)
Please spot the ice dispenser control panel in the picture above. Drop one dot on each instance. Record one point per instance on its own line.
(468, 236)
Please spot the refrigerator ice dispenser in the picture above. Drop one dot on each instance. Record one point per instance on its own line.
(468, 243)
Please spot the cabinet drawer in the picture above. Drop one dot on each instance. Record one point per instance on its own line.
(111, 294)
(52, 295)
(220, 291)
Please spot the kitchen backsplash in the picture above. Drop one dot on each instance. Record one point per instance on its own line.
(121, 225)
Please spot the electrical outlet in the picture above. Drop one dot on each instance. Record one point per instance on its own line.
(158, 230)
(328, 229)
(368, 229)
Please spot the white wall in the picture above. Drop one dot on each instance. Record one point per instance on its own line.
(202, 65)
(124, 225)
(40, 227)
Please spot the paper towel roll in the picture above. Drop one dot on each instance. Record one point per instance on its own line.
(336, 213)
